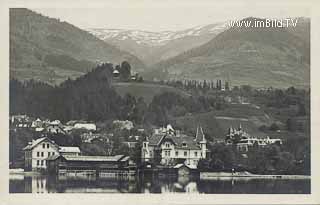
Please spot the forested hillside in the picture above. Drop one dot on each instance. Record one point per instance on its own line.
(46, 49)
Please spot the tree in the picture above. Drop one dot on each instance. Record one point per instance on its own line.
(125, 71)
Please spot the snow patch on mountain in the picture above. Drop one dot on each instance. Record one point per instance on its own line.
(155, 38)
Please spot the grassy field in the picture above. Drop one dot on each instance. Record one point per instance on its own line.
(145, 90)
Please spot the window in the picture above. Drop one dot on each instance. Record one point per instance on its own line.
(169, 153)
(41, 162)
(49, 154)
(201, 154)
(184, 144)
(195, 154)
(38, 162)
(52, 153)
(177, 153)
(38, 154)
(185, 154)
(48, 146)
(42, 154)
(43, 146)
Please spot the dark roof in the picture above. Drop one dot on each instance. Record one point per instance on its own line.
(53, 157)
(178, 140)
(36, 142)
(155, 139)
(183, 139)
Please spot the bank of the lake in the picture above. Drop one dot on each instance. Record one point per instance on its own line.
(213, 175)
(27, 182)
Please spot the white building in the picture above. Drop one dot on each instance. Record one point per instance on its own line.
(171, 148)
(244, 141)
(87, 126)
(37, 151)
(69, 151)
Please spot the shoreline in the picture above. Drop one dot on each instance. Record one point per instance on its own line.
(216, 175)
(203, 175)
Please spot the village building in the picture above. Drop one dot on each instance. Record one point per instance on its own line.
(37, 151)
(123, 124)
(20, 121)
(244, 141)
(37, 123)
(169, 147)
(101, 166)
(54, 128)
(89, 137)
(69, 151)
(116, 73)
(86, 126)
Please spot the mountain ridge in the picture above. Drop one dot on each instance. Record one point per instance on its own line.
(36, 39)
(269, 57)
(152, 47)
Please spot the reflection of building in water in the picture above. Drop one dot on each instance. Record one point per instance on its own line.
(186, 185)
(35, 184)
(191, 187)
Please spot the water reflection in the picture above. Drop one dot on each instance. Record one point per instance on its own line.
(46, 184)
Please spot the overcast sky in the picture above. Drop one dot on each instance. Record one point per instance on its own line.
(167, 16)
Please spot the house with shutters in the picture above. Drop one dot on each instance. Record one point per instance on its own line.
(169, 147)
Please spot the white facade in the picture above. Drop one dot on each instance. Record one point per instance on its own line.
(171, 148)
(37, 152)
(87, 126)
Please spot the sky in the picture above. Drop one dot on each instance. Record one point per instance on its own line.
(167, 16)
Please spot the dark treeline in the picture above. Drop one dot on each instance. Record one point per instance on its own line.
(92, 97)
(272, 159)
(198, 85)
(89, 97)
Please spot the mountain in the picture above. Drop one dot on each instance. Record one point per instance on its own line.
(49, 50)
(278, 57)
(152, 47)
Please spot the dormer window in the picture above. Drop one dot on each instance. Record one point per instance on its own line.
(184, 144)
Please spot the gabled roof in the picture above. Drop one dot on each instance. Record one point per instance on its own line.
(156, 139)
(69, 149)
(36, 142)
(178, 141)
(182, 140)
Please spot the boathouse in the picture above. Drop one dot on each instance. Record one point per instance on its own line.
(102, 166)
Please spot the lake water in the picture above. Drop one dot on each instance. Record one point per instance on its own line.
(19, 183)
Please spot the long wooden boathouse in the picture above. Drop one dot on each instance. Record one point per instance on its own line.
(99, 166)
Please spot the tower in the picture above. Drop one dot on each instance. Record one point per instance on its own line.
(201, 139)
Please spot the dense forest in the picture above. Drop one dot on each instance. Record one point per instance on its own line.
(92, 97)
